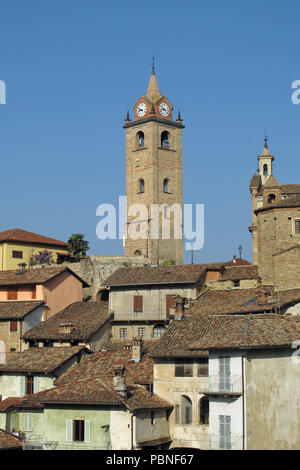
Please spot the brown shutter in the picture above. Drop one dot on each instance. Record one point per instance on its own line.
(170, 303)
(12, 294)
(138, 303)
(13, 326)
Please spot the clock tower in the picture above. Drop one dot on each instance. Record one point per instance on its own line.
(154, 179)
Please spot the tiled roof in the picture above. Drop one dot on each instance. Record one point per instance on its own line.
(14, 310)
(101, 364)
(259, 331)
(182, 333)
(97, 391)
(289, 202)
(33, 276)
(86, 318)
(240, 272)
(9, 441)
(290, 188)
(236, 301)
(237, 262)
(8, 402)
(172, 274)
(255, 181)
(19, 235)
(39, 360)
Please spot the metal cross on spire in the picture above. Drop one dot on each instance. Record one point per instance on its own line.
(152, 64)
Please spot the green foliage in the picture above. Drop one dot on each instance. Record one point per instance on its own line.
(77, 246)
(168, 262)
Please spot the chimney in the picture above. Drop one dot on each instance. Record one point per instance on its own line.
(137, 349)
(179, 309)
(234, 259)
(66, 328)
(119, 381)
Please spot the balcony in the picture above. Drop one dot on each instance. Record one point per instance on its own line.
(137, 316)
(223, 385)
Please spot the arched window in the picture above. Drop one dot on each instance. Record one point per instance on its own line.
(166, 185)
(140, 139)
(138, 253)
(204, 410)
(265, 169)
(141, 186)
(271, 198)
(158, 331)
(164, 139)
(186, 410)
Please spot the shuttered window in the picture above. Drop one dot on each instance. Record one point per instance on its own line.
(78, 430)
(29, 385)
(224, 373)
(183, 370)
(225, 432)
(138, 303)
(13, 326)
(12, 294)
(297, 226)
(170, 303)
(28, 422)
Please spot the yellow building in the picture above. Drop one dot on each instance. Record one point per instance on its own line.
(19, 246)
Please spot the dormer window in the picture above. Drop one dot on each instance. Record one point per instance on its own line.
(165, 139)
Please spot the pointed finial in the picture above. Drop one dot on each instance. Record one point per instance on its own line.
(127, 117)
(240, 248)
(152, 64)
(179, 116)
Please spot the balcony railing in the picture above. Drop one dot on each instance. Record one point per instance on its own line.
(218, 384)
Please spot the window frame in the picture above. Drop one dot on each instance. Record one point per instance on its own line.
(182, 369)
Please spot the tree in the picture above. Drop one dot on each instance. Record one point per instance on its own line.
(77, 246)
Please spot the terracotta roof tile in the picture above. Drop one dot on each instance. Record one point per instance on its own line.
(237, 301)
(86, 318)
(33, 276)
(240, 272)
(259, 331)
(15, 310)
(182, 333)
(43, 360)
(139, 275)
(19, 235)
(9, 441)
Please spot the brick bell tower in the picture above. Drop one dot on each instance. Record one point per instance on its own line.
(154, 177)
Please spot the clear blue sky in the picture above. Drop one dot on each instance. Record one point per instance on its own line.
(73, 68)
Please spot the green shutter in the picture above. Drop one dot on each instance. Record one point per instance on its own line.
(22, 385)
(69, 430)
(87, 430)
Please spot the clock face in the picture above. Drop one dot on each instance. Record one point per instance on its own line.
(164, 109)
(141, 110)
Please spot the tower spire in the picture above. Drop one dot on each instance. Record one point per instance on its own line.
(153, 91)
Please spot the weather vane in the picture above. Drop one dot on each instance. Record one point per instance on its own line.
(152, 64)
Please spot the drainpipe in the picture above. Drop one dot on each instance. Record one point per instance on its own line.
(243, 402)
(131, 418)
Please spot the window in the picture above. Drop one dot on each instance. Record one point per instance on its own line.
(28, 421)
(141, 332)
(123, 333)
(138, 303)
(236, 283)
(202, 368)
(271, 198)
(17, 254)
(170, 303)
(224, 373)
(29, 381)
(225, 432)
(265, 169)
(141, 188)
(152, 415)
(158, 331)
(186, 410)
(183, 370)
(12, 293)
(137, 253)
(13, 326)
(297, 227)
(78, 430)
(164, 139)
(166, 185)
(33, 292)
(204, 410)
(140, 139)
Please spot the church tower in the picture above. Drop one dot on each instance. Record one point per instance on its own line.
(154, 178)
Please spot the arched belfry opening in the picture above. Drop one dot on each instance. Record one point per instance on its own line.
(164, 139)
